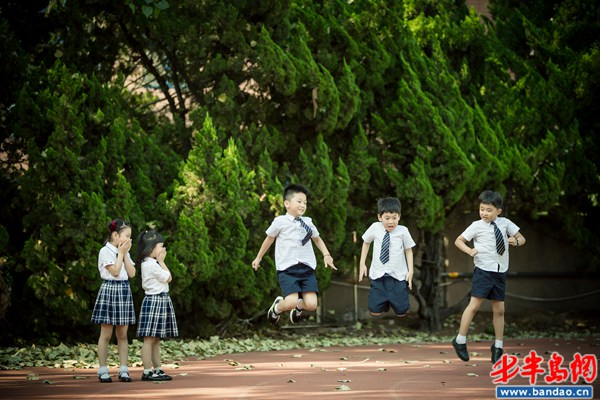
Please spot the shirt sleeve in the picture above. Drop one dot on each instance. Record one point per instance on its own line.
(511, 228)
(158, 273)
(274, 229)
(408, 241)
(469, 233)
(106, 258)
(369, 235)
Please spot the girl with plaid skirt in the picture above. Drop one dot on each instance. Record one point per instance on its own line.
(157, 317)
(114, 303)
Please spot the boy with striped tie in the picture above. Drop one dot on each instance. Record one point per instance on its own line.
(294, 256)
(490, 255)
(392, 264)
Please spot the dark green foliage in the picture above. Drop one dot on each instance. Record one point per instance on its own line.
(356, 100)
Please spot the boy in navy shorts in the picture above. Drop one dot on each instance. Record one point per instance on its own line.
(392, 264)
(490, 235)
(294, 256)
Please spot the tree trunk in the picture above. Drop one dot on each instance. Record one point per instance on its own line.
(430, 294)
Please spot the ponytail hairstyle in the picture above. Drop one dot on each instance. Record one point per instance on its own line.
(147, 241)
(117, 225)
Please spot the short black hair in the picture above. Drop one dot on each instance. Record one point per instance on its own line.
(389, 205)
(491, 197)
(291, 189)
(147, 241)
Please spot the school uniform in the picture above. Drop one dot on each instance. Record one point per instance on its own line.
(295, 262)
(489, 274)
(157, 315)
(389, 286)
(114, 302)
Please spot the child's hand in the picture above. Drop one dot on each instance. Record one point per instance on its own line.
(161, 256)
(409, 278)
(124, 246)
(256, 264)
(473, 251)
(328, 260)
(363, 272)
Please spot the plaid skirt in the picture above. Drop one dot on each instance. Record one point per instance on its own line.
(157, 317)
(114, 304)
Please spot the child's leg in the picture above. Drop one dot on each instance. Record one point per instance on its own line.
(123, 344)
(468, 314)
(498, 319)
(156, 354)
(308, 301)
(287, 304)
(103, 342)
(147, 351)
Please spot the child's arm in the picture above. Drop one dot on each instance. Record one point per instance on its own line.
(123, 249)
(363, 260)
(129, 266)
(461, 243)
(161, 262)
(263, 249)
(411, 269)
(517, 240)
(326, 256)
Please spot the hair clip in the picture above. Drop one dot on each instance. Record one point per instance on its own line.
(113, 226)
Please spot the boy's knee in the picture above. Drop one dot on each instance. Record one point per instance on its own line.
(309, 305)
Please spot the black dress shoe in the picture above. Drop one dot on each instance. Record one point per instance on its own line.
(461, 350)
(124, 377)
(496, 353)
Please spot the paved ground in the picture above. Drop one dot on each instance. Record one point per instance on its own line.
(404, 371)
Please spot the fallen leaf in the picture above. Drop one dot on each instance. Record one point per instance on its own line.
(80, 377)
(472, 374)
(447, 362)
(47, 382)
(291, 381)
(342, 369)
(343, 388)
(297, 356)
(381, 369)
(344, 380)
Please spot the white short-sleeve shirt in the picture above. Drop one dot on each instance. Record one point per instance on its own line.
(154, 278)
(289, 250)
(400, 241)
(484, 240)
(108, 256)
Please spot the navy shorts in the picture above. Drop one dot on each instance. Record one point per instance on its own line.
(387, 291)
(488, 285)
(299, 278)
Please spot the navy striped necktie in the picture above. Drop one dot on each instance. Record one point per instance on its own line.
(308, 230)
(500, 247)
(384, 257)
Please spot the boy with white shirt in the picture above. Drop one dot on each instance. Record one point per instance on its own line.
(489, 235)
(392, 264)
(294, 256)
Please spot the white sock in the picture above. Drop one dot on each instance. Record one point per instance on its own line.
(103, 370)
(147, 371)
(276, 309)
(498, 344)
(460, 339)
(123, 368)
(298, 304)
